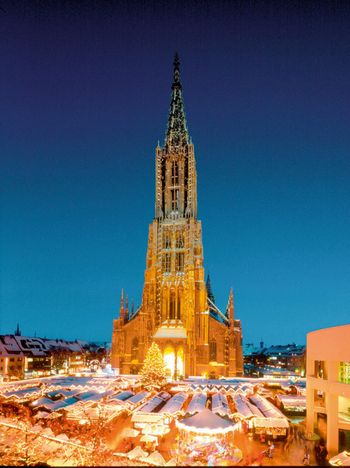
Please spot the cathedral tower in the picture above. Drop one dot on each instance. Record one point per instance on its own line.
(178, 309)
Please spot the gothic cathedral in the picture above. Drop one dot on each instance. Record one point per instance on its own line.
(178, 309)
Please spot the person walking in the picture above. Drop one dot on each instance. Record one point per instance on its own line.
(306, 459)
(321, 453)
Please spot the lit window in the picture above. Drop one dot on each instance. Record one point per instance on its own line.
(166, 240)
(180, 262)
(166, 263)
(179, 241)
(344, 372)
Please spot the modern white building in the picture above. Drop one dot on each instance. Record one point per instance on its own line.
(328, 386)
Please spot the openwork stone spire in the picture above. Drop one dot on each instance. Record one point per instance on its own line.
(176, 134)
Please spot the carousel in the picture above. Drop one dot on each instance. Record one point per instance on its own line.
(206, 439)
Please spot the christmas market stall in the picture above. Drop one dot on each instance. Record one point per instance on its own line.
(206, 438)
(154, 402)
(220, 405)
(245, 413)
(276, 428)
(342, 459)
(173, 407)
(291, 404)
(273, 423)
(137, 400)
(198, 402)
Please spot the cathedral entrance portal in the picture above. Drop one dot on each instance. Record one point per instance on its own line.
(180, 368)
(174, 361)
(169, 359)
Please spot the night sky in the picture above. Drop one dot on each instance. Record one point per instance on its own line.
(84, 98)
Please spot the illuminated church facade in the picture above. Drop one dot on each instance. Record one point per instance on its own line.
(178, 309)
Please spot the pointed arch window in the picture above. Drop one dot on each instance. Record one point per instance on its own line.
(179, 263)
(172, 306)
(166, 240)
(135, 349)
(174, 173)
(179, 295)
(166, 263)
(212, 350)
(179, 241)
(174, 199)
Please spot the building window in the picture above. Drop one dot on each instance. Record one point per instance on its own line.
(134, 349)
(320, 369)
(179, 240)
(180, 261)
(166, 263)
(212, 350)
(166, 240)
(178, 307)
(174, 173)
(174, 199)
(344, 372)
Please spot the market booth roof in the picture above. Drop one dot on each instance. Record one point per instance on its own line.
(342, 459)
(206, 422)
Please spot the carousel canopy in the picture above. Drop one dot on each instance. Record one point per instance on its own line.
(206, 422)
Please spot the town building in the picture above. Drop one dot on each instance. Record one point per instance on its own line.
(31, 357)
(178, 309)
(328, 386)
(275, 360)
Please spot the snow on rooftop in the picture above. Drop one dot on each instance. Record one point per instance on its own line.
(170, 332)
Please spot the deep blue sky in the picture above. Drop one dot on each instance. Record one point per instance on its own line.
(84, 97)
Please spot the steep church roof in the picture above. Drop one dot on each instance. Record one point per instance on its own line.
(209, 289)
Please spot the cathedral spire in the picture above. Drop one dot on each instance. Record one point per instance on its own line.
(17, 331)
(176, 134)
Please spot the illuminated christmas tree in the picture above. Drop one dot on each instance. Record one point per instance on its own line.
(153, 371)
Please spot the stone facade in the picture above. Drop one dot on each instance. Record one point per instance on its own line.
(178, 309)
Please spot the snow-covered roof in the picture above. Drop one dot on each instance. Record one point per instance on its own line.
(170, 332)
(197, 403)
(243, 407)
(174, 404)
(342, 459)
(134, 400)
(152, 404)
(14, 345)
(292, 400)
(55, 405)
(122, 396)
(220, 405)
(268, 409)
(25, 392)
